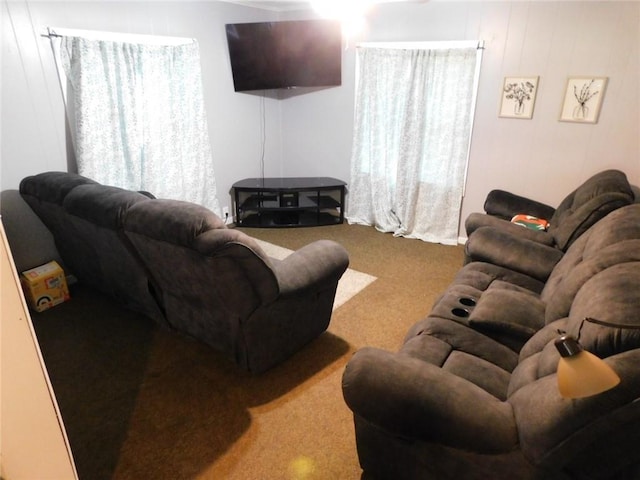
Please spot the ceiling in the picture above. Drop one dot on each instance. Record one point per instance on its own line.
(274, 4)
(298, 4)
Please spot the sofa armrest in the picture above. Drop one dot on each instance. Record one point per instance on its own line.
(317, 264)
(505, 205)
(513, 313)
(415, 399)
(488, 244)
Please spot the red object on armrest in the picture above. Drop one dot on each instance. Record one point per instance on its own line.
(530, 221)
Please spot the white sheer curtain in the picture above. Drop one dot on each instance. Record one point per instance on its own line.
(413, 118)
(138, 117)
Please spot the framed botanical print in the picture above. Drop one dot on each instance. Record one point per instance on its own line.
(583, 99)
(518, 97)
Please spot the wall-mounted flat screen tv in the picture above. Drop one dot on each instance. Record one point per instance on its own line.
(285, 54)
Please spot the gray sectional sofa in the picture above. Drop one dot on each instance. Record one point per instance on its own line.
(472, 392)
(178, 264)
(591, 201)
(506, 243)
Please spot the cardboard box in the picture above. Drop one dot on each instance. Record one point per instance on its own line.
(44, 286)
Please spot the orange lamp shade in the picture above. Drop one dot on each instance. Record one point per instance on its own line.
(581, 373)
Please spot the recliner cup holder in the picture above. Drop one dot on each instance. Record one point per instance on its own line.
(468, 301)
(460, 312)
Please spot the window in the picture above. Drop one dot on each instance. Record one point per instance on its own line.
(413, 120)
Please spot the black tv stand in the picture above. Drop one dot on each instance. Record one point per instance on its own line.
(289, 202)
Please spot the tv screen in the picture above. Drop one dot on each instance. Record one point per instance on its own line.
(302, 53)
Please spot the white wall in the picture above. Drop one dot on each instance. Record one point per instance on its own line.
(309, 134)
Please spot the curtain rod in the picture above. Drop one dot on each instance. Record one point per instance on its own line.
(454, 44)
(52, 32)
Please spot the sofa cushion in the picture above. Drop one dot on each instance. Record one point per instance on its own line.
(488, 376)
(464, 339)
(559, 304)
(513, 312)
(494, 245)
(427, 348)
(542, 337)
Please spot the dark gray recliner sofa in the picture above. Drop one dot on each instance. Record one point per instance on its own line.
(219, 286)
(474, 395)
(494, 239)
(210, 282)
(599, 195)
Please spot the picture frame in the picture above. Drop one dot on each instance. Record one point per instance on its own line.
(518, 97)
(583, 98)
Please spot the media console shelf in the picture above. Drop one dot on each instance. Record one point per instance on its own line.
(289, 202)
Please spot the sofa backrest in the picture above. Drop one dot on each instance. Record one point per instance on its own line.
(45, 193)
(601, 194)
(103, 257)
(211, 277)
(52, 187)
(612, 240)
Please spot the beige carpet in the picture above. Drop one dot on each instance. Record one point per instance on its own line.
(349, 285)
(142, 403)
